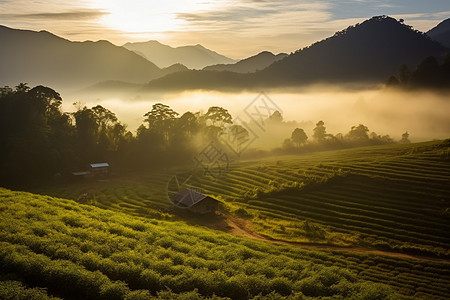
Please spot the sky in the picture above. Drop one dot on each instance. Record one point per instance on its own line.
(235, 28)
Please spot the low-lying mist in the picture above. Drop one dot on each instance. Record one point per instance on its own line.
(425, 115)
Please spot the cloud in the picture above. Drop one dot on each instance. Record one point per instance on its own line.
(68, 15)
(247, 15)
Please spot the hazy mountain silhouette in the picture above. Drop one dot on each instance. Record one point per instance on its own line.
(441, 33)
(366, 53)
(193, 57)
(44, 58)
(249, 65)
(116, 87)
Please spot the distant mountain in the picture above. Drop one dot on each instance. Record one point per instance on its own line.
(367, 53)
(441, 33)
(117, 88)
(193, 57)
(249, 65)
(44, 58)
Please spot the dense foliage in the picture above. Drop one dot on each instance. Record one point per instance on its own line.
(40, 142)
(85, 252)
(429, 73)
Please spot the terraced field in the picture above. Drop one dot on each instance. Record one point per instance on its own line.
(51, 247)
(390, 197)
(394, 197)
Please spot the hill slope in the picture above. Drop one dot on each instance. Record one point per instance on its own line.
(193, 57)
(366, 53)
(250, 64)
(78, 251)
(387, 197)
(353, 197)
(370, 51)
(441, 33)
(41, 58)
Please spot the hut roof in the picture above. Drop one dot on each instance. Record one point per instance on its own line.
(99, 165)
(187, 198)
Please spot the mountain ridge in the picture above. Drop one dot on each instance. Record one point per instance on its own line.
(192, 56)
(441, 33)
(250, 64)
(44, 58)
(366, 53)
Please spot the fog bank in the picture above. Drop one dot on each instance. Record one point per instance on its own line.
(425, 115)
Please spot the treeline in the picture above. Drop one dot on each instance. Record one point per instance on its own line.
(38, 141)
(429, 73)
(359, 135)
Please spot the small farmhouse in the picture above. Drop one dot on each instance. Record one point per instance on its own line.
(100, 169)
(194, 201)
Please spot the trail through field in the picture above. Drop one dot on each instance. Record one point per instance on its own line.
(242, 227)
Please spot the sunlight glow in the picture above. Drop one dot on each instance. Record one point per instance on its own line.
(151, 16)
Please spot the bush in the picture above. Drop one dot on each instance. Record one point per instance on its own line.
(114, 290)
(72, 221)
(150, 280)
(139, 295)
(373, 291)
(281, 285)
(14, 290)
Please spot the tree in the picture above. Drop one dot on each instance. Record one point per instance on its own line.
(22, 87)
(403, 75)
(184, 132)
(160, 117)
(358, 134)
(239, 136)
(276, 117)
(5, 91)
(405, 138)
(87, 133)
(36, 138)
(160, 121)
(392, 82)
(299, 137)
(320, 131)
(217, 117)
(426, 73)
(187, 125)
(105, 118)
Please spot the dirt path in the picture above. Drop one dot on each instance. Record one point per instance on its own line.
(241, 227)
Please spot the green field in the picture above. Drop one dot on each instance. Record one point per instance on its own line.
(392, 198)
(388, 197)
(80, 251)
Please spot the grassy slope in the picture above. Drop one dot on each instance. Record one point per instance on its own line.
(85, 252)
(392, 197)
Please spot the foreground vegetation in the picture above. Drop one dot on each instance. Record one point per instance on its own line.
(80, 251)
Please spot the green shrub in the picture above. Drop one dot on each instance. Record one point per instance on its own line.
(139, 295)
(150, 280)
(373, 291)
(72, 221)
(281, 285)
(114, 290)
(14, 290)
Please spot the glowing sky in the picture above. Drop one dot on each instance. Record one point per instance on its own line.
(236, 28)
